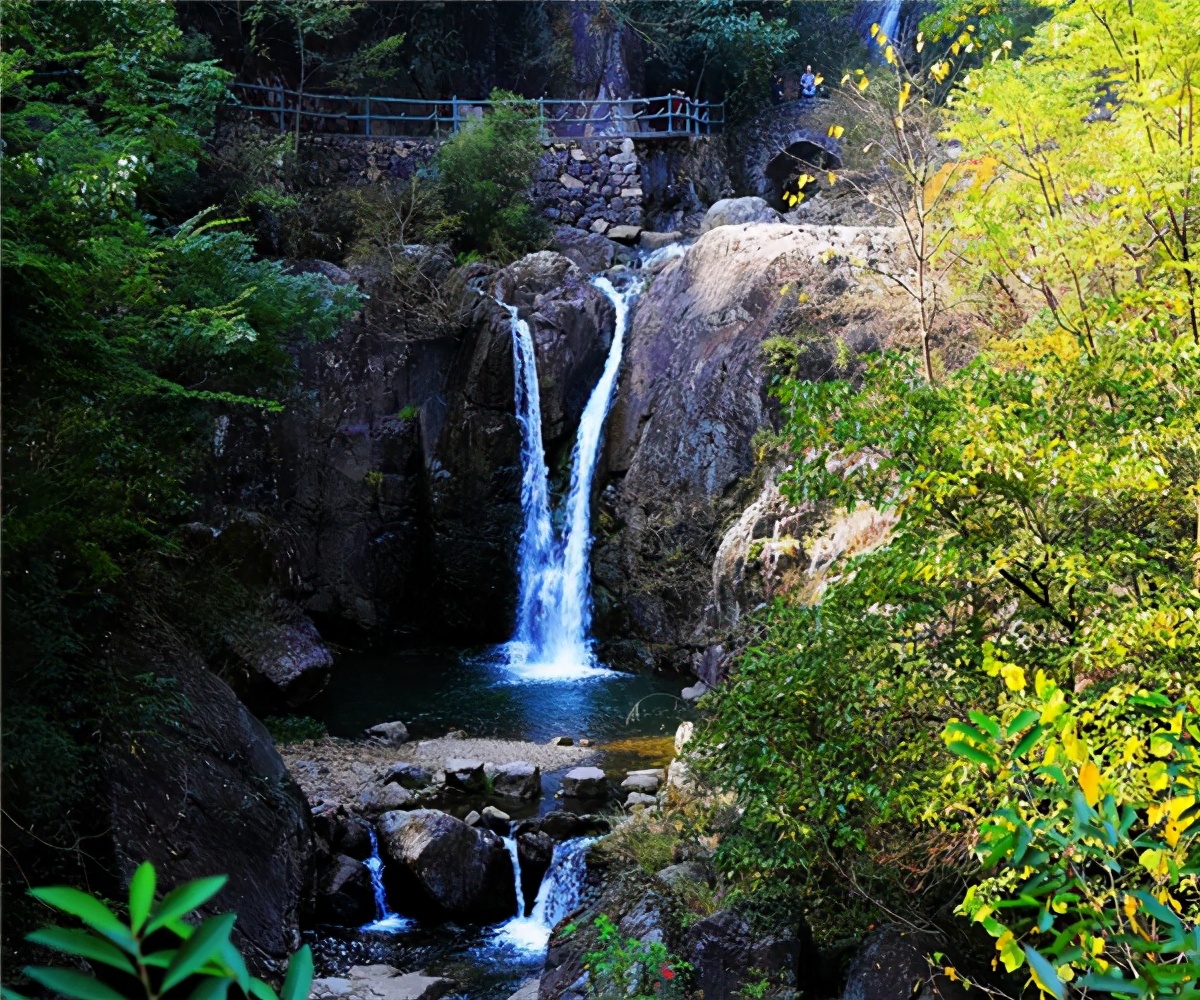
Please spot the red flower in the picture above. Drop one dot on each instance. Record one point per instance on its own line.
(667, 972)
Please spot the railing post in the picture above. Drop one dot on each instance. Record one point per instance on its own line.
(282, 125)
(454, 113)
(670, 113)
(367, 123)
(542, 116)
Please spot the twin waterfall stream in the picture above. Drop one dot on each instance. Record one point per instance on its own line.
(554, 605)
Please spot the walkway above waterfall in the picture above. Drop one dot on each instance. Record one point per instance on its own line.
(665, 117)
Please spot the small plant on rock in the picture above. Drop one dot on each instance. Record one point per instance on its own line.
(628, 969)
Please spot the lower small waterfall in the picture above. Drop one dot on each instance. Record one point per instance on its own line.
(554, 605)
(557, 896)
(385, 919)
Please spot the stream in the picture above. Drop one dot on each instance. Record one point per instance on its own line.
(546, 681)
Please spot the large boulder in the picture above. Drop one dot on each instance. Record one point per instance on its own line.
(588, 251)
(535, 850)
(283, 664)
(206, 792)
(718, 948)
(442, 868)
(892, 965)
(738, 212)
(395, 732)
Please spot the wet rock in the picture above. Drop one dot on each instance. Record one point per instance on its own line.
(738, 212)
(718, 948)
(642, 782)
(590, 251)
(637, 800)
(624, 234)
(344, 893)
(351, 836)
(655, 241)
(472, 818)
(388, 732)
(375, 800)
(444, 868)
(534, 852)
(495, 820)
(517, 780)
(381, 982)
(585, 783)
(284, 665)
(409, 775)
(465, 775)
(563, 825)
(562, 741)
(695, 692)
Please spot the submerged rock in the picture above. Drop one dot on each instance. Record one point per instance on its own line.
(443, 868)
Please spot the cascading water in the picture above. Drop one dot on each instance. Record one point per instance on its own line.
(889, 19)
(554, 606)
(557, 896)
(385, 919)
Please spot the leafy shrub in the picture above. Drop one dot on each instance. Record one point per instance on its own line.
(157, 951)
(628, 969)
(1089, 836)
(484, 171)
(294, 728)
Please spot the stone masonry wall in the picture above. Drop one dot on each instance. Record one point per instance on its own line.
(591, 183)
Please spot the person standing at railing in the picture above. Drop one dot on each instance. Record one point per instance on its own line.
(808, 84)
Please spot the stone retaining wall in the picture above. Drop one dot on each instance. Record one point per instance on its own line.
(591, 183)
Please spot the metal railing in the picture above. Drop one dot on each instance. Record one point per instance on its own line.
(647, 117)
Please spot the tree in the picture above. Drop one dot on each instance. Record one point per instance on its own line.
(305, 20)
(900, 108)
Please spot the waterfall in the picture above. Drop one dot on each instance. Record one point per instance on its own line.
(511, 845)
(558, 895)
(889, 19)
(554, 605)
(385, 919)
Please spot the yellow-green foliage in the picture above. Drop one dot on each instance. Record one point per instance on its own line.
(1047, 502)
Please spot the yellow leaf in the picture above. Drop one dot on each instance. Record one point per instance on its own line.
(904, 92)
(1077, 749)
(890, 55)
(863, 84)
(1089, 781)
(874, 30)
(1130, 906)
(1014, 677)
(832, 177)
(836, 131)
(818, 80)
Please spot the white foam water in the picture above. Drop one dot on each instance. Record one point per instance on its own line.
(552, 640)
(557, 896)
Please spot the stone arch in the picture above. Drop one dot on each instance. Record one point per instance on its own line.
(799, 152)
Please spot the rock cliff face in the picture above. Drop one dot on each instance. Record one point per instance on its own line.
(694, 390)
(394, 475)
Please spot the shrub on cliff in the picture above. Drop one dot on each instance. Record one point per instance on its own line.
(484, 172)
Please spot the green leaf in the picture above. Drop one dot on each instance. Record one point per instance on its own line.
(183, 899)
(1044, 973)
(141, 895)
(237, 965)
(205, 942)
(212, 988)
(299, 976)
(87, 908)
(7, 994)
(72, 984)
(986, 723)
(1021, 723)
(972, 754)
(160, 959)
(83, 944)
(261, 991)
